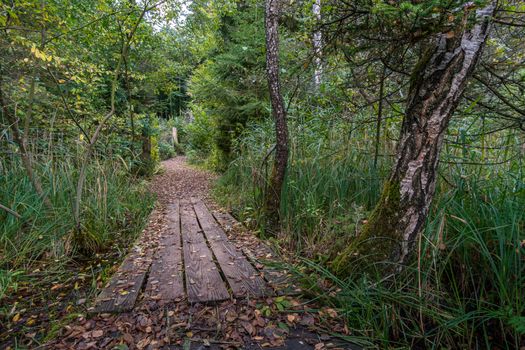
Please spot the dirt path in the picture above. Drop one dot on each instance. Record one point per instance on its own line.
(279, 322)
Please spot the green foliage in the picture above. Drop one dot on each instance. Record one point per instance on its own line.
(323, 182)
(230, 88)
(113, 210)
(200, 135)
(464, 289)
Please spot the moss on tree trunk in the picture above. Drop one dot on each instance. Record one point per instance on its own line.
(377, 239)
(387, 240)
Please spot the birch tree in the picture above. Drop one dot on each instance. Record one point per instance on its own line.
(437, 84)
(273, 196)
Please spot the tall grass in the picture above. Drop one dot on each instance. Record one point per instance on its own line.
(464, 289)
(114, 208)
(330, 173)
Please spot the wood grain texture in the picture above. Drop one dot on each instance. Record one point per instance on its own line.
(203, 280)
(242, 277)
(261, 257)
(125, 285)
(165, 281)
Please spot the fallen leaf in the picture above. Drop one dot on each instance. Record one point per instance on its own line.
(143, 343)
(98, 333)
(331, 312)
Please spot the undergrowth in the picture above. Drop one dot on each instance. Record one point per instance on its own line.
(464, 287)
(49, 271)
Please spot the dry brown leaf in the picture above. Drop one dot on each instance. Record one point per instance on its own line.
(97, 334)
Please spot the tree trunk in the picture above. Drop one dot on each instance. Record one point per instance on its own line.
(20, 139)
(146, 144)
(91, 146)
(379, 116)
(273, 196)
(317, 44)
(437, 84)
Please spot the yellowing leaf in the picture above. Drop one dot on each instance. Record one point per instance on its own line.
(123, 292)
(16, 317)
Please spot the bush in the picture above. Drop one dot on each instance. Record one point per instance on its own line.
(167, 151)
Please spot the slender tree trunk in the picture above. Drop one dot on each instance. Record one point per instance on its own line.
(146, 143)
(273, 196)
(130, 107)
(436, 88)
(317, 44)
(379, 116)
(20, 139)
(91, 146)
(20, 136)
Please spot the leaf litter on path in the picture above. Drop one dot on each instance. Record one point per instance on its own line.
(232, 324)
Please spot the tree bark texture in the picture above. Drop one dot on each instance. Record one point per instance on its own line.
(273, 196)
(438, 82)
(317, 43)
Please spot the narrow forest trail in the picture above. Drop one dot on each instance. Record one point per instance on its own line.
(197, 279)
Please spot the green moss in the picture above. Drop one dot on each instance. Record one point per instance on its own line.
(378, 237)
(415, 77)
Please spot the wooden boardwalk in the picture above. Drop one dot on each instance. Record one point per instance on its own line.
(194, 261)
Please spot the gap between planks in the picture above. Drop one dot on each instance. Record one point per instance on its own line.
(203, 280)
(242, 277)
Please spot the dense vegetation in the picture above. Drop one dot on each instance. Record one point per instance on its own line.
(92, 89)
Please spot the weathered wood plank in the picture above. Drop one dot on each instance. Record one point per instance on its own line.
(227, 221)
(261, 256)
(165, 281)
(203, 280)
(244, 280)
(125, 285)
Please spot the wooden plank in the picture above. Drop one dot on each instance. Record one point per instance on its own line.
(165, 281)
(227, 221)
(125, 285)
(203, 280)
(280, 280)
(244, 280)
